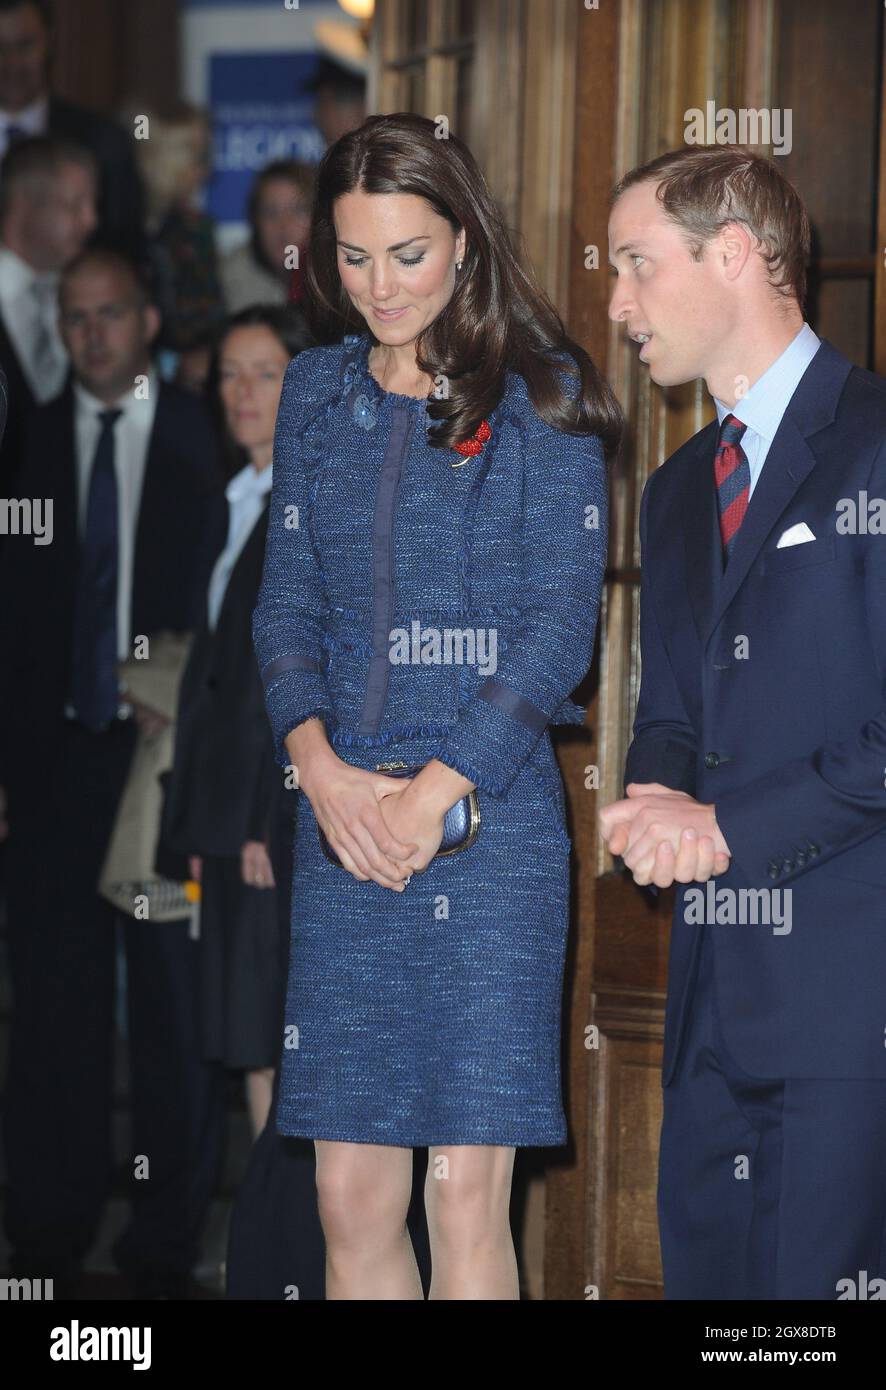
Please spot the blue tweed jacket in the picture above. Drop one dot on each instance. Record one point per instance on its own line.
(372, 531)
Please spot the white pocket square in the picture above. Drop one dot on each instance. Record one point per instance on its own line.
(795, 535)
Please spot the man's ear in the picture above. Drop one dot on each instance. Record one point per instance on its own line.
(151, 318)
(735, 246)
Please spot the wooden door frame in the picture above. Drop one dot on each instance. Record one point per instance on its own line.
(569, 1182)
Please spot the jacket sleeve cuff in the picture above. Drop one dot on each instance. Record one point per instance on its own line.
(295, 690)
(670, 761)
(494, 737)
(823, 819)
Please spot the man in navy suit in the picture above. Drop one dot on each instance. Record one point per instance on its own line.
(128, 464)
(755, 779)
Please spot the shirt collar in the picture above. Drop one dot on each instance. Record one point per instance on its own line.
(127, 402)
(765, 403)
(32, 118)
(17, 273)
(248, 482)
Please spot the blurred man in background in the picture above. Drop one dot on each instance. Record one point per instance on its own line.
(48, 189)
(129, 463)
(29, 107)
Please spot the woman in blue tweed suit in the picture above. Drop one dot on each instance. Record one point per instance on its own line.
(424, 992)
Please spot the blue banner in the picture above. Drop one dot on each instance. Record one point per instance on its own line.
(260, 114)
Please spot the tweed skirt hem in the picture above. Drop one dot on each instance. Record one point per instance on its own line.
(431, 1016)
(554, 1138)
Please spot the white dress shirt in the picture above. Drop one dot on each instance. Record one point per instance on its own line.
(29, 306)
(246, 493)
(34, 119)
(132, 435)
(767, 400)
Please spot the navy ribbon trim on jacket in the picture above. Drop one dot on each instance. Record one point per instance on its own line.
(295, 662)
(517, 706)
(383, 598)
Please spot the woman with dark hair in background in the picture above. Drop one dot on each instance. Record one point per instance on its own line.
(175, 163)
(226, 802)
(262, 270)
(427, 1015)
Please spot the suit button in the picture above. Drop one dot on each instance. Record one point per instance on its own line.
(787, 866)
(712, 759)
(813, 850)
(801, 859)
(772, 869)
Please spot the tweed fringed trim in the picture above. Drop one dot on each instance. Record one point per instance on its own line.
(346, 738)
(404, 616)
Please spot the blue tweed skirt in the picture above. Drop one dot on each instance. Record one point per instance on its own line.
(431, 1016)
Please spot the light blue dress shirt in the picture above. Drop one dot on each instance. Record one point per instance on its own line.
(246, 493)
(767, 400)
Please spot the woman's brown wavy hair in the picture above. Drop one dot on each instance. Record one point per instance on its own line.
(498, 316)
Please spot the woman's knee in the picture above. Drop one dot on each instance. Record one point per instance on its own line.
(359, 1191)
(468, 1190)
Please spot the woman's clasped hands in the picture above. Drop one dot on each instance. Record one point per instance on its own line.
(381, 828)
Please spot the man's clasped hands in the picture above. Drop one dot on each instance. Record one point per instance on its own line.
(664, 836)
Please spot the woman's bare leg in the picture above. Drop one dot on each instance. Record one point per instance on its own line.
(259, 1091)
(467, 1200)
(363, 1193)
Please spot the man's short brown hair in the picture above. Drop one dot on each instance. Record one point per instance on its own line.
(36, 161)
(704, 188)
(99, 256)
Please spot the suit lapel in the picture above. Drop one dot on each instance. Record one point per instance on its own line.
(68, 488)
(702, 553)
(788, 463)
(790, 460)
(158, 494)
(249, 563)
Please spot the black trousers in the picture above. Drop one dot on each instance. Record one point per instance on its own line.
(58, 1097)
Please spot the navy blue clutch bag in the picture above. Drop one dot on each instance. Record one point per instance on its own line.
(460, 824)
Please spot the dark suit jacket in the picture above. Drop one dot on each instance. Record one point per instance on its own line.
(21, 405)
(177, 538)
(121, 197)
(225, 777)
(784, 733)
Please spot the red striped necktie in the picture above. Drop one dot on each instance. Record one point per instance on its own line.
(732, 475)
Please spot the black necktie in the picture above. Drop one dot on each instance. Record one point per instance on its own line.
(15, 133)
(94, 692)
